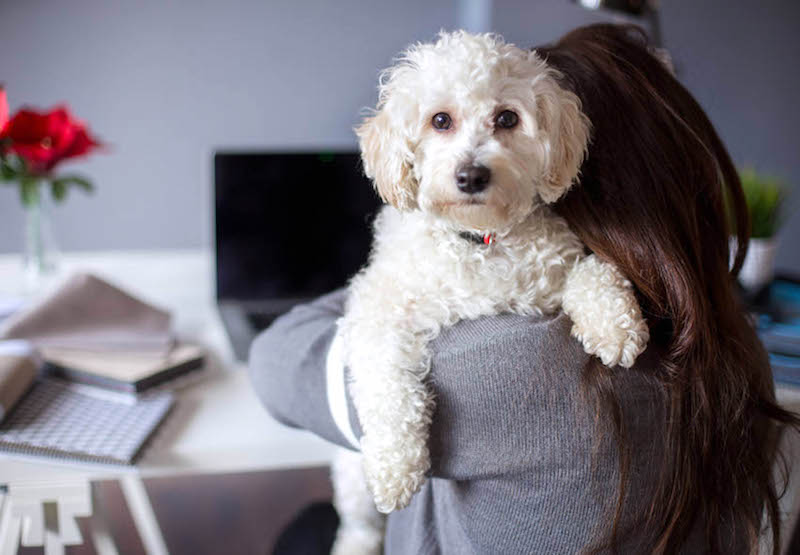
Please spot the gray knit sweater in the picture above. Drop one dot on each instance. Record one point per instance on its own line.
(519, 465)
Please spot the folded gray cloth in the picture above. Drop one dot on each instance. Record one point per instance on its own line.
(91, 314)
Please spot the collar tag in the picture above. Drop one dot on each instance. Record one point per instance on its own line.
(485, 239)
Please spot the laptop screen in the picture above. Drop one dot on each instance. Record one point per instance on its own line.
(290, 225)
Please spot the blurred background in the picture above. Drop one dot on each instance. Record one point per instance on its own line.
(167, 83)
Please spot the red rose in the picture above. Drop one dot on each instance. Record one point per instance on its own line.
(44, 140)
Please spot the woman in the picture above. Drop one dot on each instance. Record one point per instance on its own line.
(538, 449)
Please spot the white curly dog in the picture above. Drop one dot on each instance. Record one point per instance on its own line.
(471, 141)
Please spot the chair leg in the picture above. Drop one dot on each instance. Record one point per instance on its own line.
(102, 538)
(143, 515)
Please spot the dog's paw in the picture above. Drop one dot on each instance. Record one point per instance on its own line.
(618, 344)
(395, 470)
(606, 316)
(357, 541)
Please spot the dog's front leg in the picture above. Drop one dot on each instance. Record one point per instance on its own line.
(606, 316)
(388, 362)
(360, 525)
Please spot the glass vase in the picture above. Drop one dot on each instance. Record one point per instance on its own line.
(41, 256)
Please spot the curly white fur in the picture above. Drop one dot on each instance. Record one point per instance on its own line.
(423, 276)
(361, 526)
(605, 317)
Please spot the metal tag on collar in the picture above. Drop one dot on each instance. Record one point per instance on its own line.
(477, 238)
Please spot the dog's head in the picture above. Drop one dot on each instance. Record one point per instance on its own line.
(473, 130)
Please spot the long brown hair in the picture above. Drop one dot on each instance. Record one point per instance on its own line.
(651, 200)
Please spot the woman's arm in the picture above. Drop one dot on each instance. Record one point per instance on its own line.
(288, 367)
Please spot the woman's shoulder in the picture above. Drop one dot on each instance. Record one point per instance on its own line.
(512, 397)
(504, 329)
(495, 369)
(509, 348)
(514, 343)
(492, 360)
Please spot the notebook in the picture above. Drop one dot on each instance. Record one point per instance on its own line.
(122, 371)
(73, 421)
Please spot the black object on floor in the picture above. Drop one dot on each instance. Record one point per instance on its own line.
(310, 533)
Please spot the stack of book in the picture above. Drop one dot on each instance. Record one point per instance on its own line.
(92, 332)
(77, 371)
(779, 330)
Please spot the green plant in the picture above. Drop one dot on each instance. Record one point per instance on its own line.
(766, 197)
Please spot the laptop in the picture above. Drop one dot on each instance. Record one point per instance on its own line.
(290, 226)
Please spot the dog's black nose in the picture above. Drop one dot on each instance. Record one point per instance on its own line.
(472, 178)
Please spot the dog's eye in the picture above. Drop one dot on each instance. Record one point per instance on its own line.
(441, 121)
(506, 119)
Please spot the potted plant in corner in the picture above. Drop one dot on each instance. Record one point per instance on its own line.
(765, 198)
(32, 145)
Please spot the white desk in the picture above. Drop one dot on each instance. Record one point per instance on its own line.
(218, 424)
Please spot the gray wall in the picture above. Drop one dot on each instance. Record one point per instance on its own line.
(165, 83)
(741, 59)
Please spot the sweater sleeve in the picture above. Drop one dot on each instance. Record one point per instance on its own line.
(287, 366)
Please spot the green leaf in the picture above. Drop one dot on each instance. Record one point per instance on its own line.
(766, 197)
(12, 168)
(7, 173)
(19, 165)
(59, 190)
(73, 181)
(29, 191)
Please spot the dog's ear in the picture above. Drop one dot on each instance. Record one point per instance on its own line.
(566, 130)
(388, 159)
